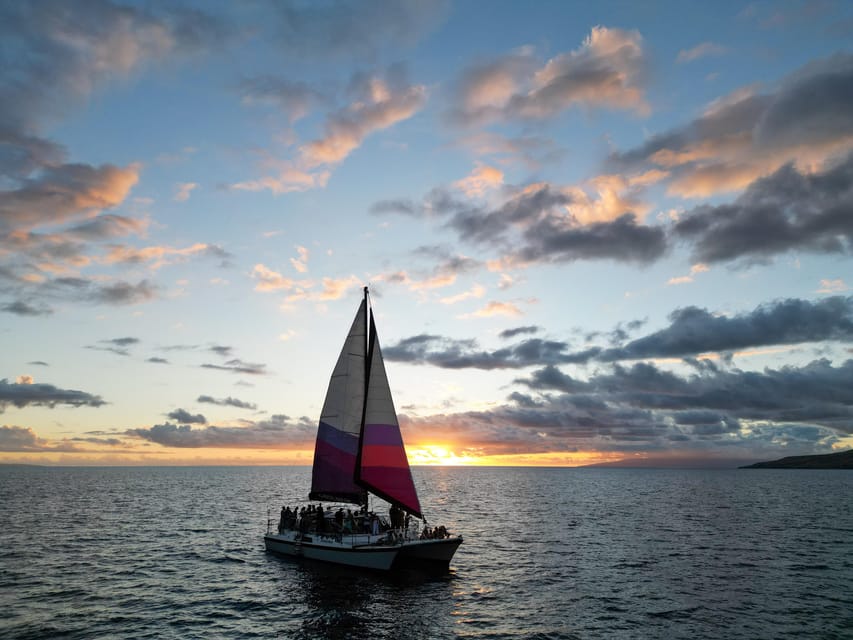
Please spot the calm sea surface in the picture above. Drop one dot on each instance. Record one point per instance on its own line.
(548, 553)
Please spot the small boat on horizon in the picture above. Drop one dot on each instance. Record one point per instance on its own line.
(359, 452)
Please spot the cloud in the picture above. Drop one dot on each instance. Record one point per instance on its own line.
(222, 350)
(545, 223)
(482, 179)
(495, 308)
(279, 432)
(72, 49)
(20, 308)
(786, 211)
(817, 393)
(185, 417)
(607, 70)
(287, 179)
(300, 263)
(832, 286)
(119, 346)
(378, 103)
(269, 280)
(183, 191)
(116, 293)
(476, 291)
(516, 331)
(695, 331)
(692, 331)
(701, 50)
(622, 240)
(75, 47)
(64, 192)
(107, 225)
(45, 395)
(335, 288)
(295, 99)
(449, 353)
(160, 256)
(21, 439)
(60, 54)
(330, 288)
(122, 342)
(227, 402)
(239, 366)
(696, 268)
(805, 119)
(156, 360)
(644, 409)
(373, 102)
(530, 150)
(444, 272)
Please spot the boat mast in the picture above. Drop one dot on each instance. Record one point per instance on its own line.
(367, 359)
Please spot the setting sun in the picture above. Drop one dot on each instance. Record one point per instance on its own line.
(438, 455)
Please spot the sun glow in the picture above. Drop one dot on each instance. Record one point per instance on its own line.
(433, 454)
(448, 455)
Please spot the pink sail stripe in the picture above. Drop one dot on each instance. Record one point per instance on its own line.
(396, 483)
(383, 456)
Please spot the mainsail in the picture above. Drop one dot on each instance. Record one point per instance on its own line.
(359, 446)
(383, 467)
(336, 449)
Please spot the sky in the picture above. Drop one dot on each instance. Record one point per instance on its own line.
(593, 232)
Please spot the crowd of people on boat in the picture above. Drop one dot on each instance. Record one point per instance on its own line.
(316, 519)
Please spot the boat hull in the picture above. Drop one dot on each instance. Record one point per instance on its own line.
(434, 553)
(366, 556)
(364, 551)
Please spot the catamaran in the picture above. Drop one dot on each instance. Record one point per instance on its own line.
(359, 452)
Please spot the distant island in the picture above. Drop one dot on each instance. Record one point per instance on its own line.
(840, 460)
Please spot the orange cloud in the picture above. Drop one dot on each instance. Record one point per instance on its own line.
(66, 192)
(482, 178)
(269, 280)
(159, 256)
(346, 130)
(494, 308)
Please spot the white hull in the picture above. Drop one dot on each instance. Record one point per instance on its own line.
(364, 551)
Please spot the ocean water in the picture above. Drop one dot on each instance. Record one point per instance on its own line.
(548, 553)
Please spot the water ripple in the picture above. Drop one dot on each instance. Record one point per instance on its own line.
(548, 554)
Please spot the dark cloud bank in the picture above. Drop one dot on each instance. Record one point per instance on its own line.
(22, 395)
(692, 331)
(643, 407)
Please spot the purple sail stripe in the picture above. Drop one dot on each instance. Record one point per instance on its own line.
(337, 438)
(333, 470)
(383, 434)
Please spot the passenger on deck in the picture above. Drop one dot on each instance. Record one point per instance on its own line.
(282, 521)
(321, 520)
(349, 522)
